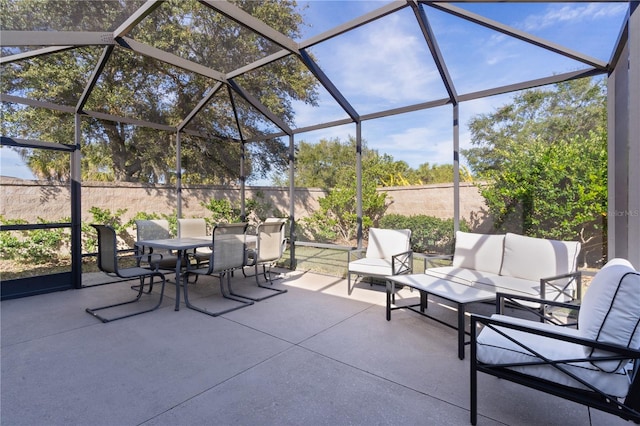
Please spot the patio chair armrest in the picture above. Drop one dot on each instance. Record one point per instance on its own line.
(402, 263)
(355, 254)
(250, 257)
(153, 259)
(514, 299)
(565, 287)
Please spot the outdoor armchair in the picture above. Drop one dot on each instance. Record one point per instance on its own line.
(388, 253)
(595, 365)
(228, 254)
(108, 263)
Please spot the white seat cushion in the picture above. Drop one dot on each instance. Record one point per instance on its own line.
(460, 275)
(493, 348)
(512, 285)
(486, 280)
(480, 252)
(371, 267)
(610, 310)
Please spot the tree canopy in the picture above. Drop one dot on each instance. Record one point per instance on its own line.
(544, 160)
(547, 115)
(143, 88)
(330, 161)
(330, 164)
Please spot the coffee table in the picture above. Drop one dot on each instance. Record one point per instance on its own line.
(460, 294)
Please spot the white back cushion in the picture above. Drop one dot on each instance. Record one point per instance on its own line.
(481, 252)
(610, 310)
(384, 243)
(534, 258)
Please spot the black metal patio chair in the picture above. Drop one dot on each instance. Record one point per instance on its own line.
(270, 246)
(595, 364)
(108, 263)
(228, 254)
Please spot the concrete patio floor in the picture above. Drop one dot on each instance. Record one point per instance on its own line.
(313, 356)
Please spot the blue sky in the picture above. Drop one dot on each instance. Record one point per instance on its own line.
(386, 64)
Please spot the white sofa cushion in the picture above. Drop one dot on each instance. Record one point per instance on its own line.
(535, 258)
(481, 252)
(493, 348)
(385, 243)
(459, 275)
(512, 285)
(610, 310)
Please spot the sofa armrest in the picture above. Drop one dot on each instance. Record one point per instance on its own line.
(402, 263)
(503, 298)
(564, 287)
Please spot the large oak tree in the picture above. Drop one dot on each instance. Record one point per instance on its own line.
(143, 88)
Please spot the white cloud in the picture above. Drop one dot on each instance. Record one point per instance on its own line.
(385, 63)
(556, 14)
(327, 110)
(419, 145)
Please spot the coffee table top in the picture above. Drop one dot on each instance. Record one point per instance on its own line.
(450, 290)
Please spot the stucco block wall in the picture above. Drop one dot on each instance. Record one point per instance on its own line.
(30, 200)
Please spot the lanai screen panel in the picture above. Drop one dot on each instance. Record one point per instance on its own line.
(68, 15)
(591, 28)
(383, 65)
(204, 36)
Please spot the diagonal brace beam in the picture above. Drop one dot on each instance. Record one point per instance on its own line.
(328, 84)
(260, 107)
(246, 20)
(169, 58)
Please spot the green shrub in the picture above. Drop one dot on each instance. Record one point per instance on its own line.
(33, 246)
(102, 217)
(428, 234)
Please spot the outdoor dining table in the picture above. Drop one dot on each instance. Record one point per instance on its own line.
(180, 246)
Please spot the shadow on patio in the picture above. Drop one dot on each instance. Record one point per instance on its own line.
(312, 356)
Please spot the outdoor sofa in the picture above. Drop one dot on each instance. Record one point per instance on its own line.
(514, 264)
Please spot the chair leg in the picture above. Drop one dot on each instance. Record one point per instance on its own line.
(275, 290)
(93, 311)
(142, 279)
(473, 378)
(224, 294)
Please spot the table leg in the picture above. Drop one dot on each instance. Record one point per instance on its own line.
(178, 278)
(461, 328)
(390, 286)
